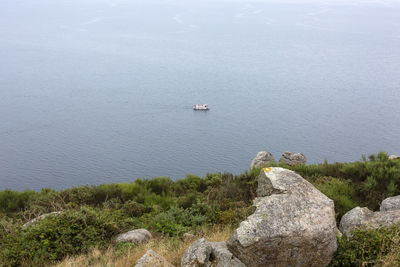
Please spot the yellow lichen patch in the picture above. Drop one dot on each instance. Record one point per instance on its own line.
(267, 169)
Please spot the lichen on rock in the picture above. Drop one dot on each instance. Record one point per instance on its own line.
(293, 224)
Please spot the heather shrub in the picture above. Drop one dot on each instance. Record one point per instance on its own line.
(172, 222)
(54, 237)
(340, 191)
(369, 247)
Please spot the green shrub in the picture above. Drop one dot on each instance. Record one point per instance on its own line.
(232, 216)
(91, 195)
(229, 188)
(135, 191)
(132, 208)
(54, 237)
(374, 178)
(368, 247)
(340, 191)
(12, 201)
(173, 222)
(190, 184)
(160, 185)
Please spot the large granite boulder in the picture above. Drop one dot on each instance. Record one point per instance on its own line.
(390, 203)
(134, 236)
(365, 218)
(293, 224)
(203, 253)
(292, 159)
(152, 259)
(262, 159)
(41, 217)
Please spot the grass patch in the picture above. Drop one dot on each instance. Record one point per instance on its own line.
(125, 254)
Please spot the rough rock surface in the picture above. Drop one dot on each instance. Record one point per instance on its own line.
(262, 159)
(293, 225)
(390, 203)
(40, 218)
(394, 157)
(292, 159)
(205, 254)
(152, 259)
(363, 217)
(354, 218)
(134, 236)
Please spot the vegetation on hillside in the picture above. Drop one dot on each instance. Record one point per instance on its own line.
(92, 215)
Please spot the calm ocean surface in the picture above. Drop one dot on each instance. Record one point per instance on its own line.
(101, 91)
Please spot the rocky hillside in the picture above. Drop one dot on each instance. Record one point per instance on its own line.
(276, 214)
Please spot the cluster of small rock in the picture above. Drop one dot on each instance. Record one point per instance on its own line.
(205, 253)
(265, 158)
(388, 215)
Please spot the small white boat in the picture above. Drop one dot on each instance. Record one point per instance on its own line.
(200, 107)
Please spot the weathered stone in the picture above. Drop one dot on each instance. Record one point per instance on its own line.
(224, 257)
(390, 203)
(198, 254)
(203, 253)
(41, 217)
(354, 219)
(394, 157)
(152, 259)
(262, 159)
(293, 225)
(365, 218)
(292, 159)
(134, 236)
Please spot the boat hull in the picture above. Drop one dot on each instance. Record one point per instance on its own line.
(200, 107)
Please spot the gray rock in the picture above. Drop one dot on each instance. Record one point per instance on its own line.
(203, 253)
(365, 218)
(390, 203)
(394, 157)
(292, 159)
(134, 236)
(262, 159)
(198, 254)
(224, 257)
(354, 218)
(293, 224)
(152, 259)
(41, 217)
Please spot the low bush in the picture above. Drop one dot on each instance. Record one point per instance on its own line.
(54, 237)
(340, 191)
(374, 178)
(172, 222)
(12, 201)
(369, 247)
